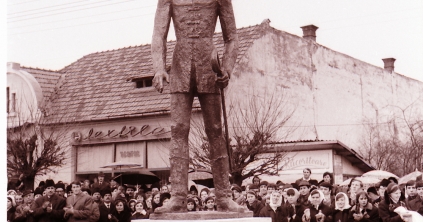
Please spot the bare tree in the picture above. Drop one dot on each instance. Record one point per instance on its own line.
(255, 125)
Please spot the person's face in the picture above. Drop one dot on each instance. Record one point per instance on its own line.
(60, 192)
(341, 202)
(49, 191)
(211, 194)
(325, 190)
(100, 179)
(155, 189)
(395, 195)
(119, 207)
(194, 192)
(96, 196)
(235, 193)
(276, 196)
(291, 199)
(9, 203)
(251, 198)
(165, 201)
(139, 207)
(113, 183)
(29, 198)
(306, 174)
(190, 206)
(210, 204)
(326, 178)
(263, 189)
(363, 201)
(204, 195)
(148, 202)
(270, 190)
(256, 181)
(37, 196)
(165, 189)
(355, 186)
(140, 198)
(315, 199)
(130, 191)
(411, 190)
(156, 199)
(304, 190)
(197, 201)
(132, 206)
(420, 191)
(107, 198)
(18, 199)
(121, 189)
(87, 183)
(381, 191)
(76, 189)
(284, 193)
(85, 192)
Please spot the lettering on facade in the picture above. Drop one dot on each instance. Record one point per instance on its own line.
(124, 132)
(128, 154)
(299, 163)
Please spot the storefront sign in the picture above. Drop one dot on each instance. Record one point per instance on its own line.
(128, 154)
(307, 159)
(125, 131)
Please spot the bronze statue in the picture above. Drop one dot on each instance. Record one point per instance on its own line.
(192, 75)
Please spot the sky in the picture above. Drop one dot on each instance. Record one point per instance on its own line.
(52, 34)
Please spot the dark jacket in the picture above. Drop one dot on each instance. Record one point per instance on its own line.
(21, 215)
(340, 215)
(124, 216)
(386, 211)
(255, 207)
(11, 214)
(370, 214)
(137, 216)
(327, 211)
(56, 215)
(295, 213)
(277, 216)
(104, 212)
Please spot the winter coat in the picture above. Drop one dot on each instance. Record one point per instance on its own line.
(370, 214)
(137, 216)
(56, 215)
(277, 216)
(386, 211)
(82, 205)
(255, 207)
(340, 215)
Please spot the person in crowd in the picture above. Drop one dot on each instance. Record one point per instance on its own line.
(237, 195)
(96, 195)
(164, 198)
(156, 201)
(256, 180)
(12, 193)
(38, 193)
(107, 207)
(328, 177)
(86, 184)
(49, 208)
(294, 210)
(411, 194)
(130, 192)
(307, 177)
(95, 213)
(263, 188)
(193, 190)
(164, 189)
(393, 180)
(197, 201)
(304, 192)
(191, 206)
(60, 189)
(11, 208)
(253, 204)
(140, 196)
(270, 188)
(209, 204)
(274, 209)
(382, 187)
(393, 199)
(342, 208)
(79, 205)
(283, 192)
(23, 211)
(256, 189)
(120, 192)
(18, 199)
(149, 202)
(140, 212)
(326, 189)
(204, 193)
(20, 185)
(266, 199)
(113, 184)
(131, 205)
(364, 210)
(101, 183)
(316, 211)
(122, 212)
(374, 197)
(417, 203)
(354, 187)
(155, 188)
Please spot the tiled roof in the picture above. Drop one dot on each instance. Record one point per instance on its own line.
(97, 87)
(46, 78)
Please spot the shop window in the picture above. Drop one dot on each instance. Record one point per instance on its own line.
(144, 82)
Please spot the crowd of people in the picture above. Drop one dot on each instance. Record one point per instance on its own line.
(306, 200)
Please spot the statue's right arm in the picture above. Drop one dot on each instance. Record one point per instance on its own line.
(158, 44)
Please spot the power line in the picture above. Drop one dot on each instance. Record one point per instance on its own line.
(43, 8)
(63, 20)
(23, 3)
(71, 11)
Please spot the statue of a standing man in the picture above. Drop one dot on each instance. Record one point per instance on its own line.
(191, 75)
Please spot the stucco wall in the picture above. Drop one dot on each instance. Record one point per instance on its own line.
(333, 94)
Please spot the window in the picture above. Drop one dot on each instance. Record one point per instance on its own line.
(144, 82)
(13, 103)
(8, 98)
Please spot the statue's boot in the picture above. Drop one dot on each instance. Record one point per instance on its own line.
(176, 204)
(226, 204)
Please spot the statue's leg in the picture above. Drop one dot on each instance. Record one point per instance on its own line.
(211, 109)
(181, 106)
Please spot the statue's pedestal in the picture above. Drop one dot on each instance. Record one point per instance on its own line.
(214, 216)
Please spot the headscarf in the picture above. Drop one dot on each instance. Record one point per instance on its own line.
(276, 205)
(321, 196)
(347, 204)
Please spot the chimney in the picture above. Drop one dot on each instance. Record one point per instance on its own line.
(14, 65)
(309, 32)
(389, 64)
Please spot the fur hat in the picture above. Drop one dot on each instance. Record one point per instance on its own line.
(49, 183)
(237, 188)
(60, 185)
(384, 182)
(38, 191)
(304, 183)
(95, 190)
(105, 191)
(26, 192)
(264, 183)
(100, 174)
(372, 190)
(326, 184)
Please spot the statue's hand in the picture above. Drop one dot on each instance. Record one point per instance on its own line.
(158, 80)
(223, 81)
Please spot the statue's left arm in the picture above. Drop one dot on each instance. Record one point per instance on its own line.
(230, 37)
